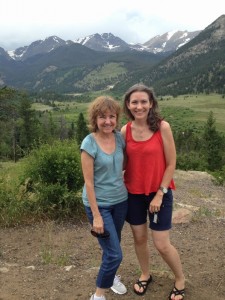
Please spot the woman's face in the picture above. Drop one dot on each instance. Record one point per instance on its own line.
(139, 105)
(107, 121)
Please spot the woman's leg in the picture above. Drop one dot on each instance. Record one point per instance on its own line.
(113, 218)
(100, 292)
(170, 255)
(111, 252)
(119, 213)
(140, 234)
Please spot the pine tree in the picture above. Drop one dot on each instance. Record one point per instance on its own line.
(28, 124)
(82, 129)
(71, 131)
(213, 144)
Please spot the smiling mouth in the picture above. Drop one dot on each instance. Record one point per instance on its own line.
(139, 112)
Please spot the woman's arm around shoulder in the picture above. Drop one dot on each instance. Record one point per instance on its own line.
(123, 131)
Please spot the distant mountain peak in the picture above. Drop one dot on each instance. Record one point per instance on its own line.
(103, 42)
(37, 47)
(170, 41)
(106, 42)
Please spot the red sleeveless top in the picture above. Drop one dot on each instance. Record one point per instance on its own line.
(145, 164)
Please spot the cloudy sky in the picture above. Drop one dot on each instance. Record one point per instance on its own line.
(25, 21)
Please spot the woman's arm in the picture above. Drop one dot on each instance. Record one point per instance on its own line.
(170, 153)
(123, 133)
(170, 157)
(87, 163)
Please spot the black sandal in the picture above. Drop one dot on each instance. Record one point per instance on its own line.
(177, 292)
(142, 284)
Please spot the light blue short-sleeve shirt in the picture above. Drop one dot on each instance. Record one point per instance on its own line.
(108, 180)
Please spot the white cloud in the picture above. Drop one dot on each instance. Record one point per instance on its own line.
(24, 21)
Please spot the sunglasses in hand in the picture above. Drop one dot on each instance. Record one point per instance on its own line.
(103, 235)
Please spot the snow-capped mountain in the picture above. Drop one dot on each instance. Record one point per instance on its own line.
(4, 54)
(103, 42)
(38, 47)
(69, 66)
(169, 41)
(106, 42)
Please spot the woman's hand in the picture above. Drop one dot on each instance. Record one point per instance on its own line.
(156, 202)
(98, 225)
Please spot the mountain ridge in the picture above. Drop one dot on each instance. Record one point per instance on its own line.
(198, 66)
(106, 42)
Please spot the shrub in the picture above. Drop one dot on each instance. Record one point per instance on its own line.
(52, 179)
(219, 176)
(191, 161)
(11, 210)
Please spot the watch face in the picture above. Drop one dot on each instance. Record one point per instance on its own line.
(164, 190)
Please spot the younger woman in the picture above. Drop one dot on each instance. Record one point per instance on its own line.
(151, 161)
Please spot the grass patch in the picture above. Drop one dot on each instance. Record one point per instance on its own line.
(48, 253)
(41, 107)
(102, 75)
(205, 212)
(185, 111)
(49, 256)
(194, 109)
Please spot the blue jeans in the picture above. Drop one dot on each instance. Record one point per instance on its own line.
(113, 217)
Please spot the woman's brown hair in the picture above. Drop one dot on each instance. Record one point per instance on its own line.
(154, 117)
(100, 106)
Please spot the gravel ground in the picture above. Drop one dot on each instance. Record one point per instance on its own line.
(60, 261)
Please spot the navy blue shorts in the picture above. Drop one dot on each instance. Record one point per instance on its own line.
(138, 209)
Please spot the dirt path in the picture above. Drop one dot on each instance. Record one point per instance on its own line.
(59, 262)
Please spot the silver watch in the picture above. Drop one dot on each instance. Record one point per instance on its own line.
(163, 189)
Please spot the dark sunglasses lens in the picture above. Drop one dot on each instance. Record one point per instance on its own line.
(94, 233)
(103, 235)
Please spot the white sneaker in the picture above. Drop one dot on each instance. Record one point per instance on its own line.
(100, 298)
(118, 287)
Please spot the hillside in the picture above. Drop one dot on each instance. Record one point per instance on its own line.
(195, 67)
(59, 261)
